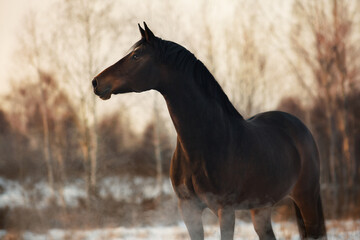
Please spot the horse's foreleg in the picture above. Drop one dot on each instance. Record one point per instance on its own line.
(261, 219)
(191, 212)
(227, 223)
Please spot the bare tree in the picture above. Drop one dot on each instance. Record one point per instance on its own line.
(32, 51)
(85, 36)
(248, 63)
(43, 113)
(73, 45)
(157, 145)
(333, 60)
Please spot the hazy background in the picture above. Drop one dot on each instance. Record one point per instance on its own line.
(73, 161)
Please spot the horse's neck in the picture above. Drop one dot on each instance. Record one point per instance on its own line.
(196, 118)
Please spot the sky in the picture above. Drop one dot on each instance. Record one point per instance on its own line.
(11, 15)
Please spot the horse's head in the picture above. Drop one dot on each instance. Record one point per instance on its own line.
(138, 71)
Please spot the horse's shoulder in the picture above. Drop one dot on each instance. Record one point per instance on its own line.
(178, 169)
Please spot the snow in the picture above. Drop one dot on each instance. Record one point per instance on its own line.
(73, 192)
(243, 230)
(13, 194)
(122, 188)
(126, 189)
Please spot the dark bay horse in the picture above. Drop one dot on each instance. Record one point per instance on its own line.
(222, 161)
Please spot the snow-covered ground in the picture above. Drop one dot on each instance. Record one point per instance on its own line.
(14, 194)
(284, 230)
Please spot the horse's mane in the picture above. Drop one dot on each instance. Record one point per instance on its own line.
(180, 58)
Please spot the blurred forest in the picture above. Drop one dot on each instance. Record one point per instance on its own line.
(64, 152)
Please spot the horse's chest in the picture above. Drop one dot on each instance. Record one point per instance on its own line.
(194, 184)
(189, 184)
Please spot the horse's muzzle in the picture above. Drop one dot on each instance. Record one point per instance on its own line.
(94, 83)
(104, 94)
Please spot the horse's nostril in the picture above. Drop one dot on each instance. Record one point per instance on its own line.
(94, 83)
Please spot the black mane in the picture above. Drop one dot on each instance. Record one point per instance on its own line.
(182, 59)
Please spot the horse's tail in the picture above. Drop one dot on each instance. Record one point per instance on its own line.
(322, 226)
(306, 192)
(300, 222)
(318, 231)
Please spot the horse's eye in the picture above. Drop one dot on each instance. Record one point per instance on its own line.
(135, 56)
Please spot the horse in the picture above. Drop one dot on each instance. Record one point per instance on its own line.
(222, 161)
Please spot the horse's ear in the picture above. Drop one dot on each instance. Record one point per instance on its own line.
(149, 36)
(142, 31)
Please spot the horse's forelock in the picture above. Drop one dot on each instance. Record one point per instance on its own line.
(137, 44)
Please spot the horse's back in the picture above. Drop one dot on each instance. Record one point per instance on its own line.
(283, 120)
(293, 126)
